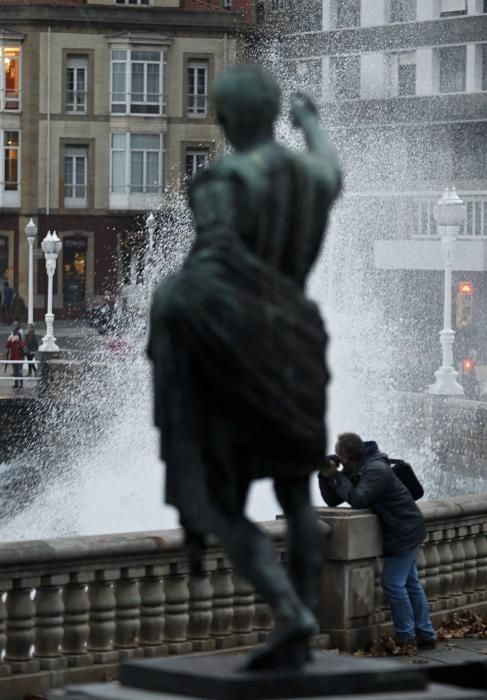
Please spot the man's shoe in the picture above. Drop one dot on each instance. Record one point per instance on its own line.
(426, 642)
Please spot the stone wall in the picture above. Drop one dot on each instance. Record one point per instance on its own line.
(452, 566)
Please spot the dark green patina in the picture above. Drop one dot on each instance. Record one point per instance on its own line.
(239, 352)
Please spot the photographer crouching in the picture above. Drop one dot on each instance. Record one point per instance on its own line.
(367, 481)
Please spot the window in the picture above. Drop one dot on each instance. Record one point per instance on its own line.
(485, 7)
(470, 151)
(348, 13)
(453, 66)
(227, 4)
(310, 77)
(403, 10)
(136, 164)
(406, 74)
(196, 158)
(9, 78)
(484, 67)
(137, 82)
(76, 84)
(11, 161)
(197, 89)
(453, 8)
(132, 2)
(74, 269)
(75, 176)
(346, 77)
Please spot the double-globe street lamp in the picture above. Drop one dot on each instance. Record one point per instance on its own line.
(51, 245)
(31, 233)
(449, 215)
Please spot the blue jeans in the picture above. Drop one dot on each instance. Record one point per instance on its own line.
(409, 605)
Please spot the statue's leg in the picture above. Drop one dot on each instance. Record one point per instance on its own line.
(255, 558)
(305, 542)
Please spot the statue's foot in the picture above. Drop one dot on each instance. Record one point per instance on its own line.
(288, 644)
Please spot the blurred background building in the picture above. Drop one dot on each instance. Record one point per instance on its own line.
(104, 108)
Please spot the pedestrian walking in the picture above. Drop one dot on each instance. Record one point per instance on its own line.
(367, 481)
(31, 347)
(8, 294)
(15, 348)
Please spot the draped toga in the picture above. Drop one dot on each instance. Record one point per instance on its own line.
(238, 350)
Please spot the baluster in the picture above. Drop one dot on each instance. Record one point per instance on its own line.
(221, 624)
(177, 616)
(50, 622)
(262, 618)
(458, 570)
(4, 587)
(102, 617)
(446, 572)
(470, 582)
(243, 612)
(152, 611)
(481, 548)
(127, 614)
(200, 610)
(20, 627)
(77, 619)
(432, 570)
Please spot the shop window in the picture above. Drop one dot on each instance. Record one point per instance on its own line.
(74, 270)
(453, 68)
(11, 160)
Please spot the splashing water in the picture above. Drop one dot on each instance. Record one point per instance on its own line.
(113, 480)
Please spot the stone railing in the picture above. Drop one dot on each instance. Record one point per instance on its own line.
(72, 609)
(452, 566)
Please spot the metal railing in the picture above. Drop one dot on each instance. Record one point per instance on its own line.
(12, 377)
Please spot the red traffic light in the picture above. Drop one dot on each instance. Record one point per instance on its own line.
(468, 365)
(465, 288)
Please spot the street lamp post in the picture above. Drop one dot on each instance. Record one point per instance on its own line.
(51, 245)
(31, 233)
(449, 215)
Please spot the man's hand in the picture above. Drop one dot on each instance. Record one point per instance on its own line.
(330, 470)
(302, 107)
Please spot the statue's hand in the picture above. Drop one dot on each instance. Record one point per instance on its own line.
(302, 107)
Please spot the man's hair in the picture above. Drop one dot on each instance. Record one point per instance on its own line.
(247, 98)
(351, 445)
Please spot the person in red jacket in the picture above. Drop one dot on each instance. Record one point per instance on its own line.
(15, 349)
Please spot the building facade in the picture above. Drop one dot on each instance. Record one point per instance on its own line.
(402, 85)
(104, 109)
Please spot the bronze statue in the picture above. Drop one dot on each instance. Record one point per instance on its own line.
(238, 353)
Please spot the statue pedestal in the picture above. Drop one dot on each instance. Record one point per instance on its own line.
(218, 677)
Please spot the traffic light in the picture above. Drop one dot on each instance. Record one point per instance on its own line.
(464, 304)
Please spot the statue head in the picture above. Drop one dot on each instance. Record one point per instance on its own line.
(247, 103)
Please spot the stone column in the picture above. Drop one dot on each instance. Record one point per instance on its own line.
(222, 622)
(102, 616)
(347, 603)
(127, 614)
(152, 611)
(177, 610)
(201, 609)
(21, 626)
(77, 619)
(50, 622)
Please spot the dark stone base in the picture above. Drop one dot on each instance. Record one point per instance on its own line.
(218, 677)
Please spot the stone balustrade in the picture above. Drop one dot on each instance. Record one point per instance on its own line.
(72, 608)
(452, 566)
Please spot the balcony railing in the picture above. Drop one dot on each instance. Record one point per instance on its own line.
(410, 214)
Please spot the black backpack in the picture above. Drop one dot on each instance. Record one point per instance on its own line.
(405, 474)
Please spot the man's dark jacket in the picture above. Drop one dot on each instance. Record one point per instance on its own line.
(374, 485)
